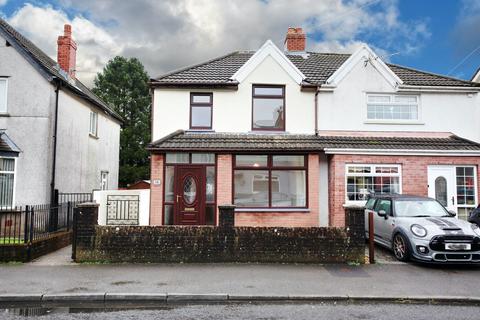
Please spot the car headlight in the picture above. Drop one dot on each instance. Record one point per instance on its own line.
(475, 229)
(418, 230)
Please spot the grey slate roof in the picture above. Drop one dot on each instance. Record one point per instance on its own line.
(191, 141)
(7, 146)
(50, 68)
(317, 68)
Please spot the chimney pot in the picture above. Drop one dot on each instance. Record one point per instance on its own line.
(295, 40)
(67, 51)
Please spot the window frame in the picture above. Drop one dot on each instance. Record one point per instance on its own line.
(392, 96)
(90, 132)
(475, 186)
(372, 166)
(201, 105)
(14, 172)
(262, 96)
(5, 100)
(102, 173)
(269, 167)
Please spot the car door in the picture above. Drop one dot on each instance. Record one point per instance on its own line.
(382, 224)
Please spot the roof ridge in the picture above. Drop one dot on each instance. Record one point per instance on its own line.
(195, 65)
(432, 73)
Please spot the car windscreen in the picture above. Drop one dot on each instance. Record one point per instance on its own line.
(414, 208)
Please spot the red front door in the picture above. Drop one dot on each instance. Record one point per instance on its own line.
(190, 196)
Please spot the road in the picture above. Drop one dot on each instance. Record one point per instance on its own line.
(273, 311)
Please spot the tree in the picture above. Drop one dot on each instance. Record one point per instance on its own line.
(123, 84)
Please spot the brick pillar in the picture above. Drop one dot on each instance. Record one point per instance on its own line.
(227, 216)
(224, 180)
(85, 221)
(355, 226)
(226, 224)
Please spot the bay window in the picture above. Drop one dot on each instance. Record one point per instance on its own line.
(270, 181)
(362, 180)
(7, 178)
(268, 102)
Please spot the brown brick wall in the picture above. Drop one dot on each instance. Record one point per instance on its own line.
(414, 176)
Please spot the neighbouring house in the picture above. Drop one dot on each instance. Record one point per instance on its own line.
(141, 184)
(476, 76)
(55, 133)
(290, 137)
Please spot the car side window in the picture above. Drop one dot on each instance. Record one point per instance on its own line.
(385, 205)
(370, 204)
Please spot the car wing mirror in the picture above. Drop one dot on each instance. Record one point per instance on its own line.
(382, 213)
(452, 213)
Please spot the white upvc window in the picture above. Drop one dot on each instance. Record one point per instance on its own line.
(93, 123)
(393, 108)
(3, 95)
(7, 182)
(364, 179)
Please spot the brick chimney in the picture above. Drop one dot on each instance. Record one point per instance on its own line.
(295, 40)
(67, 51)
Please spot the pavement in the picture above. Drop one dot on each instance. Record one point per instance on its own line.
(55, 278)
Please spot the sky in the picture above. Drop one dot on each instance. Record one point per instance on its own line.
(439, 36)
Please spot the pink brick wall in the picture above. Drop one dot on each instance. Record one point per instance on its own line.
(156, 191)
(224, 180)
(288, 219)
(414, 176)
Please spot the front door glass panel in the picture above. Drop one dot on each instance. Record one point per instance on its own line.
(441, 190)
(189, 190)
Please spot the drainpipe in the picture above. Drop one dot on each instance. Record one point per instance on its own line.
(316, 110)
(54, 155)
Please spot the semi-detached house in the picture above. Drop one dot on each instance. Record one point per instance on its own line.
(290, 137)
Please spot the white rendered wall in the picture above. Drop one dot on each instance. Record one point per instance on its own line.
(81, 157)
(346, 108)
(232, 110)
(28, 123)
(100, 197)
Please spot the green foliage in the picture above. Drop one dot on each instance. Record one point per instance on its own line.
(123, 84)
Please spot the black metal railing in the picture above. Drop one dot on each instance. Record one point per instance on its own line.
(22, 225)
(64, 197)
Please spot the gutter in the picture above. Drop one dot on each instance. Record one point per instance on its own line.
(404, 152)
(54, 155)
(440, 89)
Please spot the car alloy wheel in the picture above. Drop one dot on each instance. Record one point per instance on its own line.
(400, 247)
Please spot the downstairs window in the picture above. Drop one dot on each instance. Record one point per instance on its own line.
(362, 180)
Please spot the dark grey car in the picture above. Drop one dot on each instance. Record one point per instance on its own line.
(420, 228)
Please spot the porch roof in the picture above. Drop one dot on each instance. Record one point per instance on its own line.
(7, 146)
(245, 142)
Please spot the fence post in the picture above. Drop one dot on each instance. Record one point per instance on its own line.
(32, 218)
(69, 209)
(25, 228)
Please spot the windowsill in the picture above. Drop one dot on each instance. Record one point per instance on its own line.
(93, 136)
(268, 210)
(2, 114)
(200, 130)
(394, 122)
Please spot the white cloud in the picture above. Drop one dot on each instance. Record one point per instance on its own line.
(3, 2)
(166, 35)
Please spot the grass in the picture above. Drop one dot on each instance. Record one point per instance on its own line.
(9, 240)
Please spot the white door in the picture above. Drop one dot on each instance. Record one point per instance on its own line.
(441, 185)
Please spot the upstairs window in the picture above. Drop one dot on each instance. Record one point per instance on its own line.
(93, 123)
(201, 110)
(3, 95)
(268, 107)
(398, 108)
